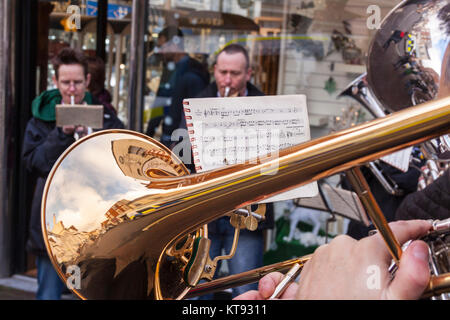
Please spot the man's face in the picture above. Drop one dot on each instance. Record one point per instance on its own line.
(231, 71)
(71, 82)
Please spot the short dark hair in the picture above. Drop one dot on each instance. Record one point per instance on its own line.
(96, 68)
(235, 48)
(70, 56)
(171, 32)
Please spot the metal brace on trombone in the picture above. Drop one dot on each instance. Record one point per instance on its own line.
(249, 218)
(201, 266)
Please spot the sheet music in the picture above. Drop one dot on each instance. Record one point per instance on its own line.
(226, 131)
(399, 159)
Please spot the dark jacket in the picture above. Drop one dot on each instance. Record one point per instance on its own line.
(104, 98)
(433, 202)
(209, 92)
(189, 79)
(43, 144)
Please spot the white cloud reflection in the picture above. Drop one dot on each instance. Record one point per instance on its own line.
(88, 182)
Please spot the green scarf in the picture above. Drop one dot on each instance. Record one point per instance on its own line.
(43, 107)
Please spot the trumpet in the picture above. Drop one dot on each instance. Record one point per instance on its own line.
(121, 210)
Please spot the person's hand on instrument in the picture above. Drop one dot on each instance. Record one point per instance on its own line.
(267, 286)
(350, 269)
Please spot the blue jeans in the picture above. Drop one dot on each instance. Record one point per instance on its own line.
(249, 251)
(50, 285)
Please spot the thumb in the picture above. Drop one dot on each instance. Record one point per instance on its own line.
(249, 295)
(268, 284)
(413, 274)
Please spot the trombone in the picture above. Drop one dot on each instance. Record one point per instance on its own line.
(143, 236)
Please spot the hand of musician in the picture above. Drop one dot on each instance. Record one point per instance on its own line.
(81, 131)
(69, 130)
(267, 286)
(350, 269)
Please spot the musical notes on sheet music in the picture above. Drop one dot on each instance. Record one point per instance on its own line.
(245, 127)
(249, 123)
(226, 131)
(223, 112)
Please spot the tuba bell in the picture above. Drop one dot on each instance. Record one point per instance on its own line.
(408, 64)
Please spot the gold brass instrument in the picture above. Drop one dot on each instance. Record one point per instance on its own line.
(120, 214)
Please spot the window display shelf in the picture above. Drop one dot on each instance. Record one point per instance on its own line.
(350, 68)
(317, 120)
